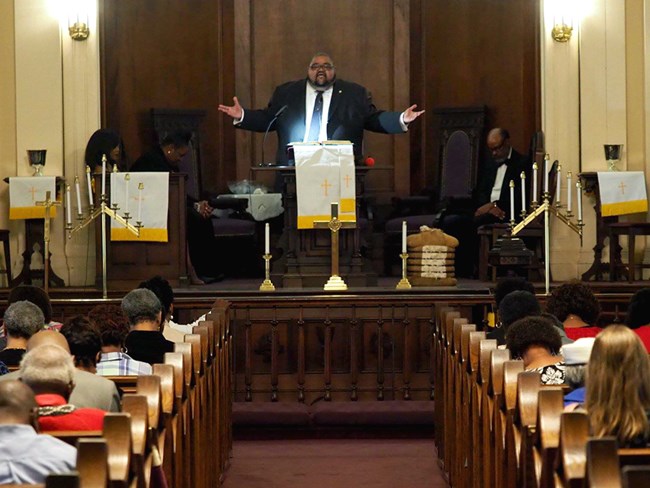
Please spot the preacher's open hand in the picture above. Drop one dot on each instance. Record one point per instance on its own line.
(410, 114)
(235, 111)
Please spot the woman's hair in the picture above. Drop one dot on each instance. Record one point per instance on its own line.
(638, 311)
(517, 305)
(84, 340)
(112, 324)
(574, 298)
(532, 331)
(618, 385)
(103, 141)
(177, 139)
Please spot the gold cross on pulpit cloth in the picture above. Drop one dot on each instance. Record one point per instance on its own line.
(622, 192)
(325, 173)
(25, 191)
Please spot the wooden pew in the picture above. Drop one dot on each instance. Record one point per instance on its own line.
(476, 460)
(550, 405)
(603, 470)
(634, 476)
(505, 422)
(165, 440)
(485, 423)
(136, 406)
(180, 422)
(117, 433)
(571, 460)
(92, 463)
(493, 433)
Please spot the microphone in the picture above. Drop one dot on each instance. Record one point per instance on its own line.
(266, 132)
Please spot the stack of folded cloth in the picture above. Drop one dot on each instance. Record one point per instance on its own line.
(431, 258)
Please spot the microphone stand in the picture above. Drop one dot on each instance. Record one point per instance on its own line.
(266, 133)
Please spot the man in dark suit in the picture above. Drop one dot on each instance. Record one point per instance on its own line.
(320, 108)
(491, 199)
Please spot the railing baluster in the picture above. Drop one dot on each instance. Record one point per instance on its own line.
(327, 355)
(354, 355)
(406, 367)
(248, 366)
(380, 355)
(301, 355)
(274, 356)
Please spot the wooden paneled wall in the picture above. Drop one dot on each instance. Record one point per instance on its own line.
(436, 53)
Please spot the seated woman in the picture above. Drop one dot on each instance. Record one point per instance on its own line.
(618, 387)
(104, 142)
(536, 341)
(638, 316)
(575, 305)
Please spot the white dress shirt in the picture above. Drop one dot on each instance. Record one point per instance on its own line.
(498, 180)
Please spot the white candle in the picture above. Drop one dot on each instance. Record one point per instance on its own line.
(546, 174)
(68, 205)
(78, 192)
(403, 236)
(534, 182)
(558, 182)
(90, 186)
(579, 199)
(568, 191)
(140, 188)
(512, 199)
(523, 192)
(103, 175)
(127, 178)
(267, 239)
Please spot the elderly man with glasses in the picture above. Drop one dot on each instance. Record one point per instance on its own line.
(318, 108)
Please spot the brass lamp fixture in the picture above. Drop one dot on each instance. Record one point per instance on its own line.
(561, 31)
(78, 30)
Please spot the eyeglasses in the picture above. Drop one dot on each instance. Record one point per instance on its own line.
(497, 148)
(326, 67)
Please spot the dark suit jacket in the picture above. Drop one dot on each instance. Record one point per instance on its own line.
(516, 164)
(351, 111)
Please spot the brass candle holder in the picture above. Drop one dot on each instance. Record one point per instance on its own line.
(404, 283)
(267, 284)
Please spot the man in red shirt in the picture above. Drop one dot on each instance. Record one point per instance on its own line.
(49, 371)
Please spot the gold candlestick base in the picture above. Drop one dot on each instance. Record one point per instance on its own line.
(267, 284)
(404, 283)
(335, 283)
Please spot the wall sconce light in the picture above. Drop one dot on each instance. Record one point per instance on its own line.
(78, 28)
(561, 31)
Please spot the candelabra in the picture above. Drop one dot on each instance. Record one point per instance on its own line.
(548, 207)
(104, 210)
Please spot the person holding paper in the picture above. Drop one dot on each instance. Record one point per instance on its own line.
(318, 108)
(200, 236)
(490, 199)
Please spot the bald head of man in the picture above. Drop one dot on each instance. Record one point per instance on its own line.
(17, 402)
(48, 337)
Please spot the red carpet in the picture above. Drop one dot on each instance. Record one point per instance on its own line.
(332, 463)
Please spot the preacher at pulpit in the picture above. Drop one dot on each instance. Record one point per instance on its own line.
(320, 108)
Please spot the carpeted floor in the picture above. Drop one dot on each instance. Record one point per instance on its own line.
(333, 463)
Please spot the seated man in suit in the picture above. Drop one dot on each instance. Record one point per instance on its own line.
(320, 108)
(491, 199)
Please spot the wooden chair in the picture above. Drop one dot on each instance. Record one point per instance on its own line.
(92, 463)
(602, 464)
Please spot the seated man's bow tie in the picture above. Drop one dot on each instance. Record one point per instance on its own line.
(501, 163)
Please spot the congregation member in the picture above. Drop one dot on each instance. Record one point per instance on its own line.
(514, 306)
(84, 341)
(576, 306)
(163, 290)
(38, 297)
(537, 343)
(27, 457)
(113, 327)
(22, 320)
(319, 108)
(576, 357)
(145, 341)
(49, 371)
(104, 142)
(638, 316)
(90, 389)
(617, 397)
